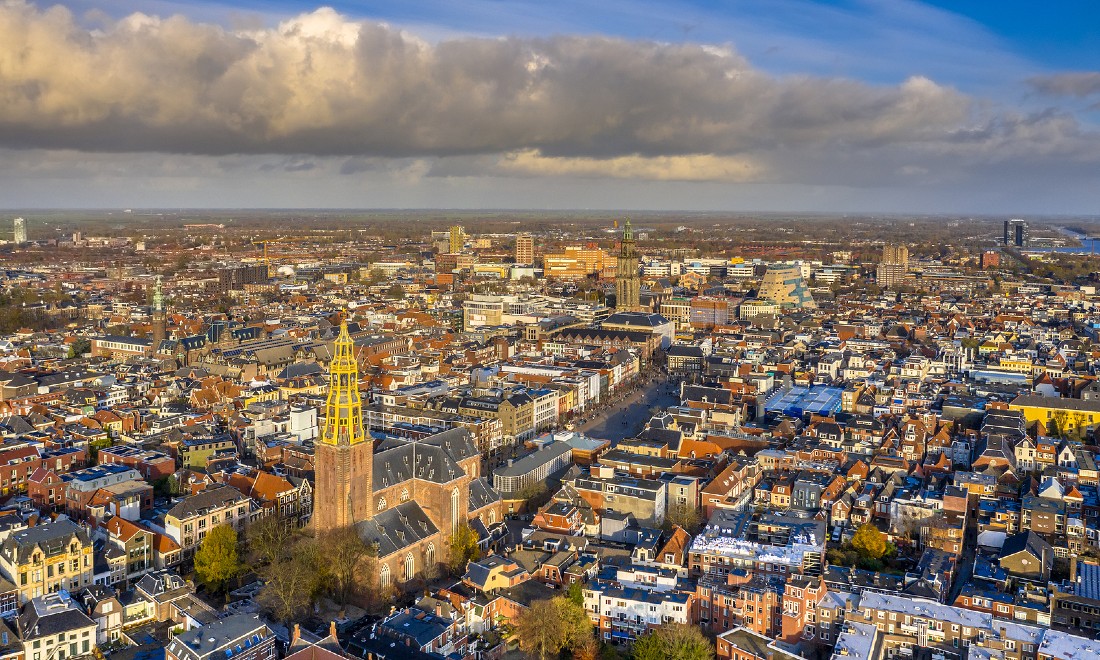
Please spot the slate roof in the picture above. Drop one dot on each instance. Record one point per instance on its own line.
(51, 615)
(212, 497)
(419, 626)
(397, 528)
(398, 462)
(482, 494)
(1029, 541)
(246, 630)
(52, 539)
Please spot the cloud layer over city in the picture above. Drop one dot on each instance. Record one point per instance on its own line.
(362, 96)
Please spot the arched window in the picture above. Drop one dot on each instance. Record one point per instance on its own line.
(455, 513)
(429, 556)
(410, 567)
(381, 504)
(384, 576)
(492, 516)
(404, 494)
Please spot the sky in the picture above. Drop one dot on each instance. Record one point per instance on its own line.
(876, 106)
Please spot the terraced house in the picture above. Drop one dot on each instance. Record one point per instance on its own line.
(47, 558)
(188, 522)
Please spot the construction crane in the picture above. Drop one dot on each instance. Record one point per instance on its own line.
(281, 239)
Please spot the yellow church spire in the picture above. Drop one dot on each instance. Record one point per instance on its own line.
(344, 407)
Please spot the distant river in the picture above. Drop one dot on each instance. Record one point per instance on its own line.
(1088, 245)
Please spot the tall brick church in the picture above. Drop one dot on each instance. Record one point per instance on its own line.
(405, 496)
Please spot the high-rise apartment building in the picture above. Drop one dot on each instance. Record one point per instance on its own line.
(1016, 233)
(457, 239)
(160, 325)
(234, 278)
(525, 249)
(894, 265)
(19, 230)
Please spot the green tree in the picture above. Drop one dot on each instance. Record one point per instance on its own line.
(79, 347)
(395, 292)
(217, 561)
(532, 492)
(648, 647)
(673, 641)
(869, 542)
(575, 593)
(464, 548)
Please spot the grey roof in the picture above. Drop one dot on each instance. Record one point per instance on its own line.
(16, 424)
(684, 350)
(234, 633)
(50, 615)
(416, 625)
(299, 369)
(1030, 541)
(1087, 584)
(395, 529)
(163, 585)
(482, 494)
(213, 497)
(434, 458)
(530, 462)
(52, 539)
(639, 319)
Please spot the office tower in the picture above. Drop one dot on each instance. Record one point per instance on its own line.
(525, 249)
(20, 231)
(627, 281)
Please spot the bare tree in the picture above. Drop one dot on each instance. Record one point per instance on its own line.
(343, 552)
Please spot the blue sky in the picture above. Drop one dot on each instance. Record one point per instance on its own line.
(788, 36)
(833, 104)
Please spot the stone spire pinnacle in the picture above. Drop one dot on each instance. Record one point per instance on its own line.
(158, 296)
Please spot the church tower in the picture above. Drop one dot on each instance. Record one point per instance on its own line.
(160, 331)
(343, 458)
(627, 284)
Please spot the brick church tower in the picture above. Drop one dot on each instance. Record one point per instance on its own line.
(344, 456)
(627, 283)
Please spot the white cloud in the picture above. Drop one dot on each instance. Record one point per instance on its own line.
(338, 96)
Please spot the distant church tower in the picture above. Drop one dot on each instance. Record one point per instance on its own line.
(343, 459)
(160, 329)
(627, 284)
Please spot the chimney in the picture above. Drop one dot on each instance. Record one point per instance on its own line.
(296, 634)
(439, 609)
(331, 629)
